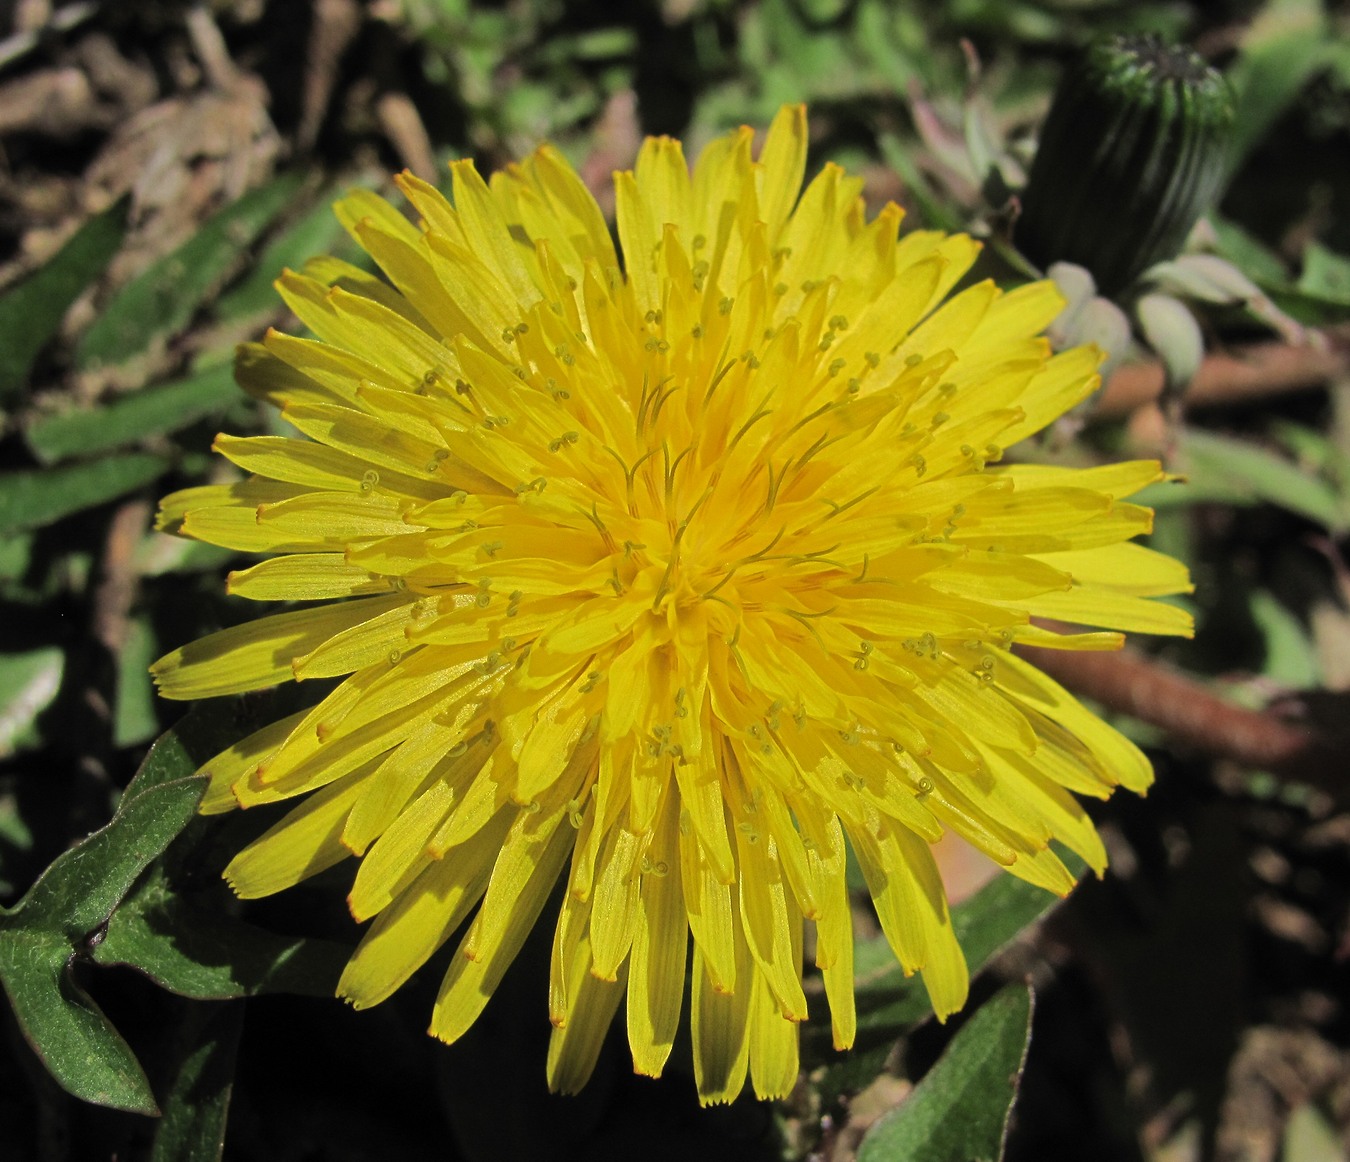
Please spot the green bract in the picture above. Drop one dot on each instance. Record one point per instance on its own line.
(1132, 152)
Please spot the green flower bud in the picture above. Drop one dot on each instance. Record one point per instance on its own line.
(1087, 317)
(1131, 154)
(1171, 330)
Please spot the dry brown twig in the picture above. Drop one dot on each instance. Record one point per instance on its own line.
(336, 24)
(402, 124)
(1246, 373)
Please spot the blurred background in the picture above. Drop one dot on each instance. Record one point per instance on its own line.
(161, 162)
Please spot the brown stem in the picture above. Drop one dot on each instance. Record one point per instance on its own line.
(1253, 372)
(402, 124)
(116, 590)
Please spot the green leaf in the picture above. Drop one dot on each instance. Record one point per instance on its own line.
(1248, 253)
(28, 683)
(1326, 275)
(1310, 1136)
(16, 554)
(1283, 48)
(198, 951)
(210, 956)
(1309, 310)
(71, 1037)
(1291, 659)
(933, 210)
(162, 300)
(31, 313)
(64, 914)
(1320, 298)
(318, 232)
(16, 836)
(30, 500)
(959, 1111)
(1233, 471)
(149, 412)
(134, 707)
(889, 1002)
(192, 1128)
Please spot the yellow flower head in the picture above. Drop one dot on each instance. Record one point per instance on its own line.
(668, 573)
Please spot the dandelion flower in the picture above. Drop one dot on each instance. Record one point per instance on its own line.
(665, 572)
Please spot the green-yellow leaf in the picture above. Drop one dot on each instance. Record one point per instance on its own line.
(959, 1111)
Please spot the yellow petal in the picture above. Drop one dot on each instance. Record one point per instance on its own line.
(773, 1046)
(304, 577)
(304, 843)
(659, 950)
(240, 760)
(782, 164)
(1128, 568)
(614, 900)
(720, 1028)
(400, 854)
(1120, 757)
(1093, 605)
(258, 653)
(575, 1045)
(470, 981)
(912, 907)
(424, 916)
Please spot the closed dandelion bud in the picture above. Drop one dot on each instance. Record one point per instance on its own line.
(1131, 153)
